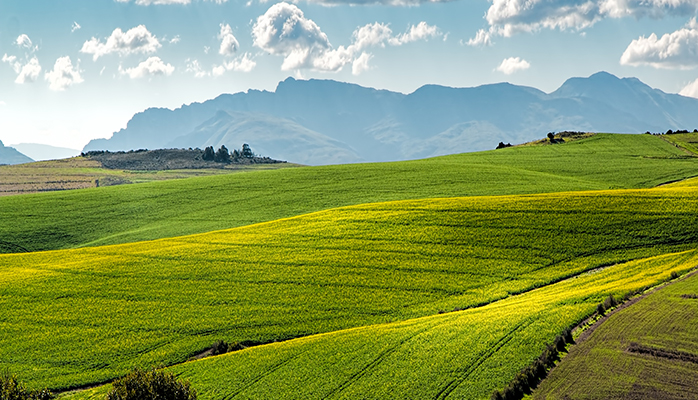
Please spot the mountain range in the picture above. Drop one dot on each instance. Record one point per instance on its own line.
(327, 122)
(10, 155)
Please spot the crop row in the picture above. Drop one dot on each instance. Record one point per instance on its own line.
(81, 316)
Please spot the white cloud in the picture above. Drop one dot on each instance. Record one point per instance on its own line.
(194, 67)
(361, 63)
(283, 30)
(12, 60)
(240, 64)
(508, 17)
(421, 31)
(153, 66)
(229, 44)
(369, 2)
(63, 75)
(166, 2)
(23, 41)
(175, 40)
(691, 90)
(135, 40)
(29, 71)
(513, 64)
(75, 27)
(376, 34)
(676, 50)
(482, 38)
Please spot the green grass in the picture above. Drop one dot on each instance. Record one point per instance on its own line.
(460, 355)
(131, 213)
(688, 141)
(80, 316)
(603, 368)
(80, 173)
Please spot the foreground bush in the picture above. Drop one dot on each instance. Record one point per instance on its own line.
(150, 385)
(12, 389)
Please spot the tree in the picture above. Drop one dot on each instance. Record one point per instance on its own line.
(222, 155)
(12, 389)
(209, 155)
(246, 151)
(551, 136)
(150, 385)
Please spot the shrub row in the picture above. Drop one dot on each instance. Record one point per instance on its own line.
(150, 385)
(12, 389)
(529, 378)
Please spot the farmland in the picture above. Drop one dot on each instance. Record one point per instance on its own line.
(81, 316)
(461, 355)
(648, 350)
(82, 173)
(128, 213)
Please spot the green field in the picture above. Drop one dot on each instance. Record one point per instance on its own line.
(75, 317)
(80, 173)
(460, 355)
(130, 213)
(603, 367)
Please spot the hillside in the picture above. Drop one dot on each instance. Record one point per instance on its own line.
(10, 155)
(164, 209)
(648, 350)
(84, 172)
(326, 122)
(76, 317)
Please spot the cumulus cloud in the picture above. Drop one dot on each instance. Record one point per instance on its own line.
(361, 63)
(175, 40)
(691, 90)
(75, 27)
(63, 75)
(153, 66)
(421, 31)
(135, 40)
(240, 64)
(513, 64)
(508, 17)
(12, 61)
(194, 67)
(283, 30)
(23, 41)
(166, 2)
(676, 50)
(29, 72)
(229, 44)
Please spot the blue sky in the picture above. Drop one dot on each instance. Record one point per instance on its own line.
(76, 70)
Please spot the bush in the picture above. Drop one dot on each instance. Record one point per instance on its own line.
(12, 389)
(209, 154)
(610, 302)
(600, 309)
(150, 385)
(222, 155)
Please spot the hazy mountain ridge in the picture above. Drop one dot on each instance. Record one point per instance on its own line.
(325, 122)
(10, 155)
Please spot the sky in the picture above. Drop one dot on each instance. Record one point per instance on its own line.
(76, 70)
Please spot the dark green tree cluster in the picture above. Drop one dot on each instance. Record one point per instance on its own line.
(12, 389)
(529, 378)
(223, 155)
(150, 385)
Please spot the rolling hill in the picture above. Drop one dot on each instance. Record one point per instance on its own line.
(76, 317)
(648, 350)
(149, 211)
(331, 122)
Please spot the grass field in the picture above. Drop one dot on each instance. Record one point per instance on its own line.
(129, 213)
(81, 173)
(460, 355)
(688, 141)
(80, 316)
(606, 367)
